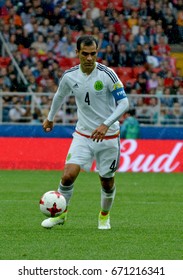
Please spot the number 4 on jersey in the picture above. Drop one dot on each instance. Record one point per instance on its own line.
(87, 98)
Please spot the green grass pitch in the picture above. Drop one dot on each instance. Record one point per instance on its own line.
(146, 218)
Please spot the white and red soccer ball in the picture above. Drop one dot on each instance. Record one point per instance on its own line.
(52, 204)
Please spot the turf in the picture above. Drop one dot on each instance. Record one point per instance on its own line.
(146, 218)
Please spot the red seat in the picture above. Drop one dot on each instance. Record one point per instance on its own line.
(65, 62)
(125, 71)
(124, 78)
(4, 61)
(118, 5)
(85, 4)
(25, 52)
(102, 4)
(138, 70)
(75, 61)
(130, 81)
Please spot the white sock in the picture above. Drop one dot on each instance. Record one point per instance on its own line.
(107, 199)
(67, 192)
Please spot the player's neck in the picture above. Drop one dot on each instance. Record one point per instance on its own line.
(87, 71)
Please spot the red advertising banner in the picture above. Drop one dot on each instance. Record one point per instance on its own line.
(50, 154)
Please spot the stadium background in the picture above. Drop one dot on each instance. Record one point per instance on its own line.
(20, 141)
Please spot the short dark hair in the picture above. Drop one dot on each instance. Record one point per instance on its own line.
(86, 40)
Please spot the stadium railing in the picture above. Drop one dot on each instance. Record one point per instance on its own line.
(151, 110)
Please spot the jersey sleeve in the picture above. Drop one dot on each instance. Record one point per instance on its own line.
(116, 86)
(62, 91)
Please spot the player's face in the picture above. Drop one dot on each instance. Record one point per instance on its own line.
(87, 56)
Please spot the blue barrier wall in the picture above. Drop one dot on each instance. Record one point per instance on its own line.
(18, 130)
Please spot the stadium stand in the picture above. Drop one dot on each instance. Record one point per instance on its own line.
(141, 40)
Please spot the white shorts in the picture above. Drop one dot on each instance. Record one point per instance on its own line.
(83, 151)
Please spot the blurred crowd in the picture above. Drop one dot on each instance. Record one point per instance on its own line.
(135, 39)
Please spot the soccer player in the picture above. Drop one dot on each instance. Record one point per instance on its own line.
(101, 101)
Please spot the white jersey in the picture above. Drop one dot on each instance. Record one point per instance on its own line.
(96, 97)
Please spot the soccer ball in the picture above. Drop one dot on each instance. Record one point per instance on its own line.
(52, 204)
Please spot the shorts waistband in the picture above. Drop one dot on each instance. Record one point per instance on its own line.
(105, 137)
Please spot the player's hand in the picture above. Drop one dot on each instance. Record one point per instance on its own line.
(47, 125)
(99, 133)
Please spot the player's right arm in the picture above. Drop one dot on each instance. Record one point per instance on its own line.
(58, 98)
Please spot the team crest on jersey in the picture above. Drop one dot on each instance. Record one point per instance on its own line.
(98, 85)
(117, 85)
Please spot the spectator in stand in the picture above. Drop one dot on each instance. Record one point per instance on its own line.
(17, 112)
(50, 60)
(169, 79)
(152, 82)
(22, 39)
(130, 128)
(143, 11)
(5, 80)
(124, 58)
(45, 28)
(141, 84)
(71, 110)
(133, 19)
(109, 34)
(157, 13)
(44, 77)
(133, 4)
(95, 11)
(142, 112)
(109, 12)
(87, 21)
(170, 26)
(58, 27)
(74, 21)
(55, 45)
(138, 58)
(154, 108)
(127, 11)
(13, 17)
(131, 45)
(160, 87)
(102, 44)
(151, 30)
(40, 45)
(159, 33)
(108, 56)
(2, 85)
(180, 95)
(166, 99)
(141, 38)
(162, 49)
(177, 113)
(12, 43)
(115, 48)
(176, 86)
(120, 23)
(180, 24)
(68, 47)
(29, 24)
(100, 21)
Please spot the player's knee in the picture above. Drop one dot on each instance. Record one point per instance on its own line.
(107, 183)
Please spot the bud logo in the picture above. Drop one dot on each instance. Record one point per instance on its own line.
(151, 156)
